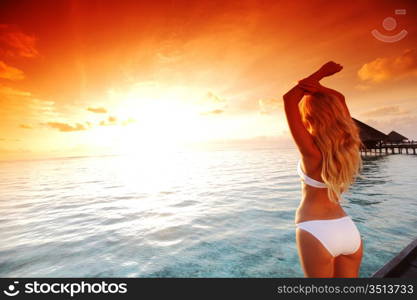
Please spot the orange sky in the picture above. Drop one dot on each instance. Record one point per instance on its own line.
(91, 76)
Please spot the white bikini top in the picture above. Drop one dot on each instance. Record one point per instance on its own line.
(308, 180)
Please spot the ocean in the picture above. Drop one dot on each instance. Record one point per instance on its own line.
(217, 213)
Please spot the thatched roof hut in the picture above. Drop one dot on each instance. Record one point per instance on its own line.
(370, 136)
(395, 137)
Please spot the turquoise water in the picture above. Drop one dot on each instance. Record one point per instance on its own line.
(185, 214)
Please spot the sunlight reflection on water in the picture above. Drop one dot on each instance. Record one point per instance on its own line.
(184, 214)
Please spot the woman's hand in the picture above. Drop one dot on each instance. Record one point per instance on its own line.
(311, 84)
(329, 69)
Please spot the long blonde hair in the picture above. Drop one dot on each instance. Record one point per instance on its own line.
(337, 137)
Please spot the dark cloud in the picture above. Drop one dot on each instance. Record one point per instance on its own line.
(14, 42)
(10, 73)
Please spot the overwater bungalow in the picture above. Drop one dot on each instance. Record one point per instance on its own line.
(370, 136)
(395, 137)
(376, 142)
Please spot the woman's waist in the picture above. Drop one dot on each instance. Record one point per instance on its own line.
(317, 197)
(318, 211)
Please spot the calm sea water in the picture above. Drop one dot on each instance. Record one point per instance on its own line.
(185, 214)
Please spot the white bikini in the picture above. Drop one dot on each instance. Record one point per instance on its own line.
(338, 236)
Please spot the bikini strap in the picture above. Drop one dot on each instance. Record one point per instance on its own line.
(308, 180)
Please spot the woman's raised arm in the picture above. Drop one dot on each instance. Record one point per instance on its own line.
(301, 136)
(292, 98)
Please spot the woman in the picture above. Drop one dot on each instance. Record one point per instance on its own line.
(328, 242)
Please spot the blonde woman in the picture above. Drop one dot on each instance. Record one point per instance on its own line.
(328, 242)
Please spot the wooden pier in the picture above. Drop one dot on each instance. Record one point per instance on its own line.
(404, 265)
(383, 148)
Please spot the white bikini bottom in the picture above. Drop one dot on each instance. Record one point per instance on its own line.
(338, 236)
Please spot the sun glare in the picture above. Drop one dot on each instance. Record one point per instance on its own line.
(166, 117)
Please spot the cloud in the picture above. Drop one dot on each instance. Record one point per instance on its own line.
(65, 127)
(382, 69)
(128, 121)
(269, 105)
(211, 104)
(109, 121)
(170, 51)
(214, 98)
(213, 112)
(8, 91)
(210, 99)
(386, 110)
(19, 107)
(11, 73)
(26, 126)
(14, 42)
(97, 110)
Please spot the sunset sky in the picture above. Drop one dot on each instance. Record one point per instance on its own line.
(84, 77)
